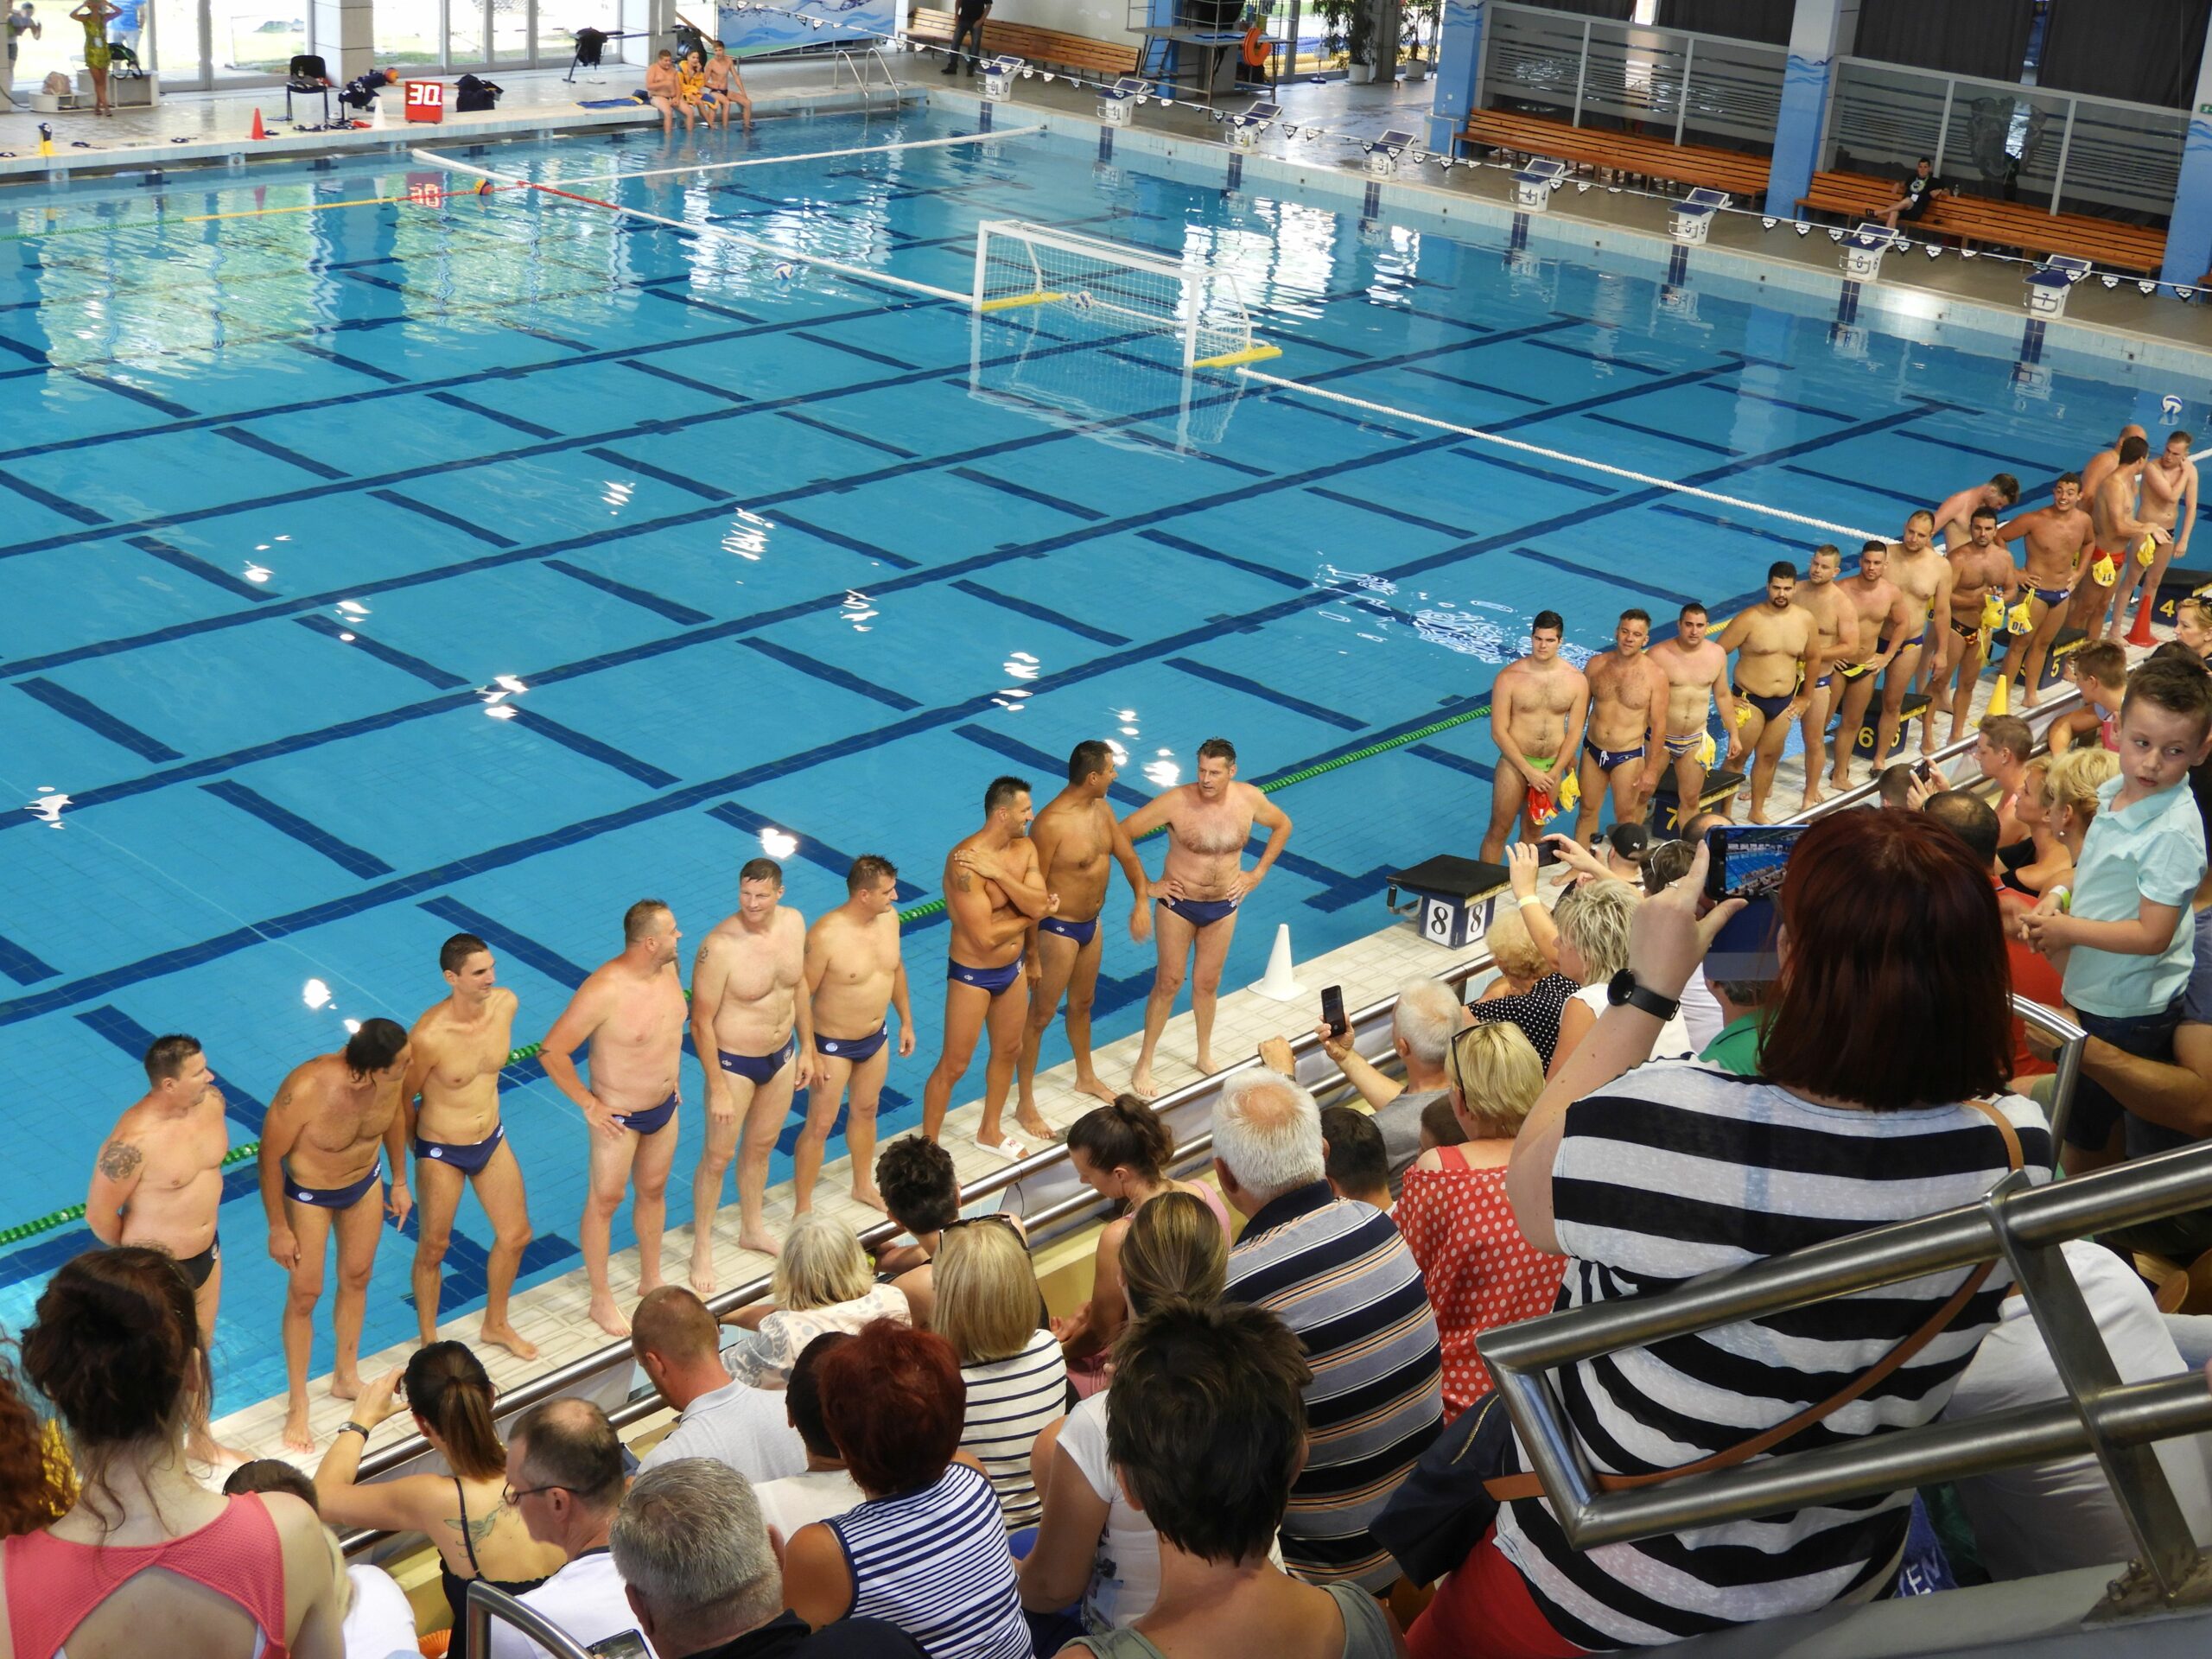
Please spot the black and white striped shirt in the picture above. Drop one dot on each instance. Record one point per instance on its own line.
(935, 1563)
(1010, 1402)
(1675, 1171)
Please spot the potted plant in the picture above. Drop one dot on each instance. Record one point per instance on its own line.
(1410, 58)
(1348, 34)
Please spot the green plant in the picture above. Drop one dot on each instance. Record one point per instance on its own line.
(1415, 14)
(1349, 29)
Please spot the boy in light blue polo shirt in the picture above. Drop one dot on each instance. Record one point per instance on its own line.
(2126, 925)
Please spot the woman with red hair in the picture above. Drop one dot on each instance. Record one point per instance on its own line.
(1889, 1031)
(927, 1552)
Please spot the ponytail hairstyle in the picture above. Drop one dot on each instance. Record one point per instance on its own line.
(115, 1345)
(1175, 1248)
(451, 1392)
(1127, 1135)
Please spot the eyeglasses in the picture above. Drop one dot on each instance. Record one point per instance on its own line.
(514, 1497)
(998, 1215)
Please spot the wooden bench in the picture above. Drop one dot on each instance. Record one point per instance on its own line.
(1743, 177)
(1032, 45)
(1854, 196)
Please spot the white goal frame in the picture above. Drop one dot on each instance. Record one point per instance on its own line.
(1212, 306)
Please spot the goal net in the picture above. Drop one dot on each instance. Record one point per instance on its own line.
(1023, 265)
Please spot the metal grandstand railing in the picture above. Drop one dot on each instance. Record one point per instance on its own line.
(487, 1604)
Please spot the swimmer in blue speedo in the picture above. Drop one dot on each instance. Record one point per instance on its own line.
(1201, 884)
(994, 890)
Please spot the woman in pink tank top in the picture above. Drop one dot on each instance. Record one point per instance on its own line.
(146, 1549)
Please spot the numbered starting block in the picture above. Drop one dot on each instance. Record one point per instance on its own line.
(1450, 899)
(1000, 74)
(2176, 586)
(426, 101)
(1862, 742)
(1244, 128)
(1117, 100)
(1667, 815)
(2070, 640)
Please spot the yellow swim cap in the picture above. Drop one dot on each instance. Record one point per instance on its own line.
(2021, 619)
(2103, 572)
(1992, 610)
(2146, 550)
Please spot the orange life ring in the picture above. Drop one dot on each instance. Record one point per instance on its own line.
(1255, 51)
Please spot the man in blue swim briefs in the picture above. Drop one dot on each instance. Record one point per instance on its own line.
(1923, 577)
(1777, 646)
(994, 890)
(2056, 543)
(754, 1035)
(1077, 839)
(1697, 678)
(158, 1181)
(1628, 715)
(456, 1052)
(322, 1140)
(855, 977)
(1201, 882)
(631, 1011)
(1883, 618)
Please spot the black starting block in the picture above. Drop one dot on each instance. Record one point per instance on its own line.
(1451, 897)
(2069, 640)
(2173, 587)
(1862, 744)
(1666, 817)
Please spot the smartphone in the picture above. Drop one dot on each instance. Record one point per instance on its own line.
(1332, 1010)
(628, 1644)
(1748, 861)
(1547, 852)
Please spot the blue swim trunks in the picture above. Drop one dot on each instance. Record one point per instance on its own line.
(759, 1067)
(651, 1121)
(332, 1197)
(1082, 932)
(1608, 759)
(854, 1050)
(1201, 913)
(468, 1157)
(993, 980)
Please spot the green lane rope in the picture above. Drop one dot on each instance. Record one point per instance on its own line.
(908, 918)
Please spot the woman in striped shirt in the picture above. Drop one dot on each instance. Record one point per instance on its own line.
(986, 1302)
(1891, 1021)
(927, 1550)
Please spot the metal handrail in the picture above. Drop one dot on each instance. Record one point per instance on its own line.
(557, 1381)
(487, 1603)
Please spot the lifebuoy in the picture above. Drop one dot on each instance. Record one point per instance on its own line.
(1255, 50)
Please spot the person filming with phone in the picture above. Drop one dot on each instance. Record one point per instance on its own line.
(1886, 1049)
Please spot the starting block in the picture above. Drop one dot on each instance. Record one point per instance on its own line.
(1666, 816)
(2173, 587)
(2069, 640)
(1862, 742)
(1451, 898)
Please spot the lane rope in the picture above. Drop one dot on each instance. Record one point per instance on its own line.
(809, 155)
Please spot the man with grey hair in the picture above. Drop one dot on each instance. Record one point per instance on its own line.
(1426, 1017)
(703, 1581)
(1339, 1274)
(564, 1479)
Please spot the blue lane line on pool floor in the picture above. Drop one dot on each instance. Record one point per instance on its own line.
(21, 966)
(831, 674)
(510, 941)
(391, 655)
(133, 1040)
(192, 564)
(94, 718)
(1384, 508)
(352, 860)
(1038, 613)
(592, 748)
(483, 533)
(1267, 694)
(667, 609)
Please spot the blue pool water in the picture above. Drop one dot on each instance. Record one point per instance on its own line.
(291, 504)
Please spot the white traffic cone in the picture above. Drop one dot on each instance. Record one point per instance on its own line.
(1279, 983)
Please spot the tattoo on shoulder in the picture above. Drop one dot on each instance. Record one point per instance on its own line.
(119, 1160)
(477, 1527)
(964, 882)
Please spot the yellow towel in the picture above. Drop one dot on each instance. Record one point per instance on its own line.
(1992, 610)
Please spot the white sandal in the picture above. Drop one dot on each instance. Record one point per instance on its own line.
(1008, 1148)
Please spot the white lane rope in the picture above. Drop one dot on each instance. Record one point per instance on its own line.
(1560, 456)
(782, 255)
(810, 155)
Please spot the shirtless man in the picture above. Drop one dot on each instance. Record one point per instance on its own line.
(2121, 526)
(2169, 489)
(727, 86)
(1923, 577)
(1883, 618)
(159, 1181)
(1697, 678)
(854, 975)
(664, 90)
(1202, 882)
(631, 1011)
(1628, 717)
(2093, 598)
(1778, 647)
(1984, 580)
(747, 1013)
(455, 1055)
(2059, 540)
(1953, 519)
(1537, 707)
(994, 889)
(1076, 837)
(1837, 619)
(321, 1174)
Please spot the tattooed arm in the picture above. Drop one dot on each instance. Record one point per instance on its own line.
(115, 1178)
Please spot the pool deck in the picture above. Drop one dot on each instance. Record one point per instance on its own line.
(556, 1316)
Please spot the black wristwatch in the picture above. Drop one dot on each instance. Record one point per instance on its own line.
(1623, 991)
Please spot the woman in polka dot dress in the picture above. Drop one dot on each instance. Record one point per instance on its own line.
(1481, 1271)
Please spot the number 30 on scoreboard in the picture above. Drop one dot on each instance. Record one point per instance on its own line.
(426, 100)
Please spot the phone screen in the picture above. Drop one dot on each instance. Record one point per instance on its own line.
(1748, 861)
(1332, 1010)
(1547, 852)
(628, 1644)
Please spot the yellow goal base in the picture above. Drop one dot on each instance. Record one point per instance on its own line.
(1008, 301)
(1255, 352)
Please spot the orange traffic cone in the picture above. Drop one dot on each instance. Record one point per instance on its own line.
(2140, 633)
(257, 131)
